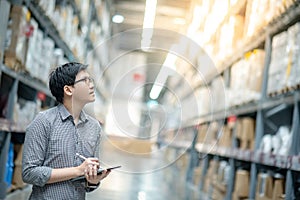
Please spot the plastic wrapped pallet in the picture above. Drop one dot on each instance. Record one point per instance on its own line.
(279, 62)
(293, 67)
(15, 50)
(256, 60)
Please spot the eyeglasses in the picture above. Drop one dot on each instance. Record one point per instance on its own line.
(87, 80)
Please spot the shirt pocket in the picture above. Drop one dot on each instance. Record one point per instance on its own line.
(89, 145)
(60, 150)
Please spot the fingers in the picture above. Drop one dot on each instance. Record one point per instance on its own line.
(92, 161)
(91, 171)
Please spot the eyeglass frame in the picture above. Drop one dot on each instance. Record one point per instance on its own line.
(87, 80)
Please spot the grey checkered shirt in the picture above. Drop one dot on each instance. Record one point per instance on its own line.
(51, 141)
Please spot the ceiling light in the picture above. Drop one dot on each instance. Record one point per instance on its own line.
(118, 19)
(170, 63)
(148, 24)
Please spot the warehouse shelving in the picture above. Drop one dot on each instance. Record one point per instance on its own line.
(49, 27)
(274, 104)
(8, 127)
(289, 17)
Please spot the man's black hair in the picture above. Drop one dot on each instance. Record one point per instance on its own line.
(64, 75)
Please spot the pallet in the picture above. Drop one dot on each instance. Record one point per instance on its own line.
(285, 90)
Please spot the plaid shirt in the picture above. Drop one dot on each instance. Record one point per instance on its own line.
(51, 141)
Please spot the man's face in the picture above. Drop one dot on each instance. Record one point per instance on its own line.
(83, 88)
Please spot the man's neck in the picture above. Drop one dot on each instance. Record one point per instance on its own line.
(74, 110)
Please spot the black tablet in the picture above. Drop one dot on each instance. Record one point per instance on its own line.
(100, 170)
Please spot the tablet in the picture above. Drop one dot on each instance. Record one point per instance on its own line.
(100, 170)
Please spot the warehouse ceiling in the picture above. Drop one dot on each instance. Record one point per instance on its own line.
(171, 15)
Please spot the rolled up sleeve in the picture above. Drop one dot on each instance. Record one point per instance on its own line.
(34, 152)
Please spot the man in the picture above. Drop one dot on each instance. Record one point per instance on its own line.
(56, 137)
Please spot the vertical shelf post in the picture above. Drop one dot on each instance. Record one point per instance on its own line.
(259, 130)
(193, 157)
(294, 149)
(4, 15)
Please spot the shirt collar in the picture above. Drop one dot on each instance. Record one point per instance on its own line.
(65, 114)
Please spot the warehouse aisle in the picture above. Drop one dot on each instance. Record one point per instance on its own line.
(147, 183)
(140, 177)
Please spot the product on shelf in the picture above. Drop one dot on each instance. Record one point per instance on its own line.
(15, 47)
(279, 62)
(197, 175)
(241, 186)
(211, 173)
(17, 177)
(225, 137)
(202, 131)
(277, 144)
(245, 132)
(293, 67)
(279, 187)
(231, 36)
(264, 188)
(246, 78)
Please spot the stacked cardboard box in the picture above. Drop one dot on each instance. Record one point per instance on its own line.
(17, 177)
(264, 189)
(16, 46)
(211, 173)
(241, 188)
(245, 132)
(226, 135)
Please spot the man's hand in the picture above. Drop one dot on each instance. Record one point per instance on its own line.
(92, 177)
(87, 164)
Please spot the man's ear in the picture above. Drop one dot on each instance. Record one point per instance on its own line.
(68, 90)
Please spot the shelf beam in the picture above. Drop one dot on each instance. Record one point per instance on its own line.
(27, 80)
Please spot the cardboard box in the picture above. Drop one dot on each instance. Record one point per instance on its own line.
(256, 60)
(18, 152)
(241, 188)
(197, 175)
(278, 191)
(264, 189)
(202, 131)
(134, 146)
(17, 181)
(226, 137)
(16, 45)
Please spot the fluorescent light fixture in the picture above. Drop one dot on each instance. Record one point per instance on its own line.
(148, 24)
(163, 74)
(118, 19)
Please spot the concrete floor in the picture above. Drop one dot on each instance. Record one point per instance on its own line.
(142, 177)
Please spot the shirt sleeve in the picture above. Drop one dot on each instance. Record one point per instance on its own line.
(34, 152)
